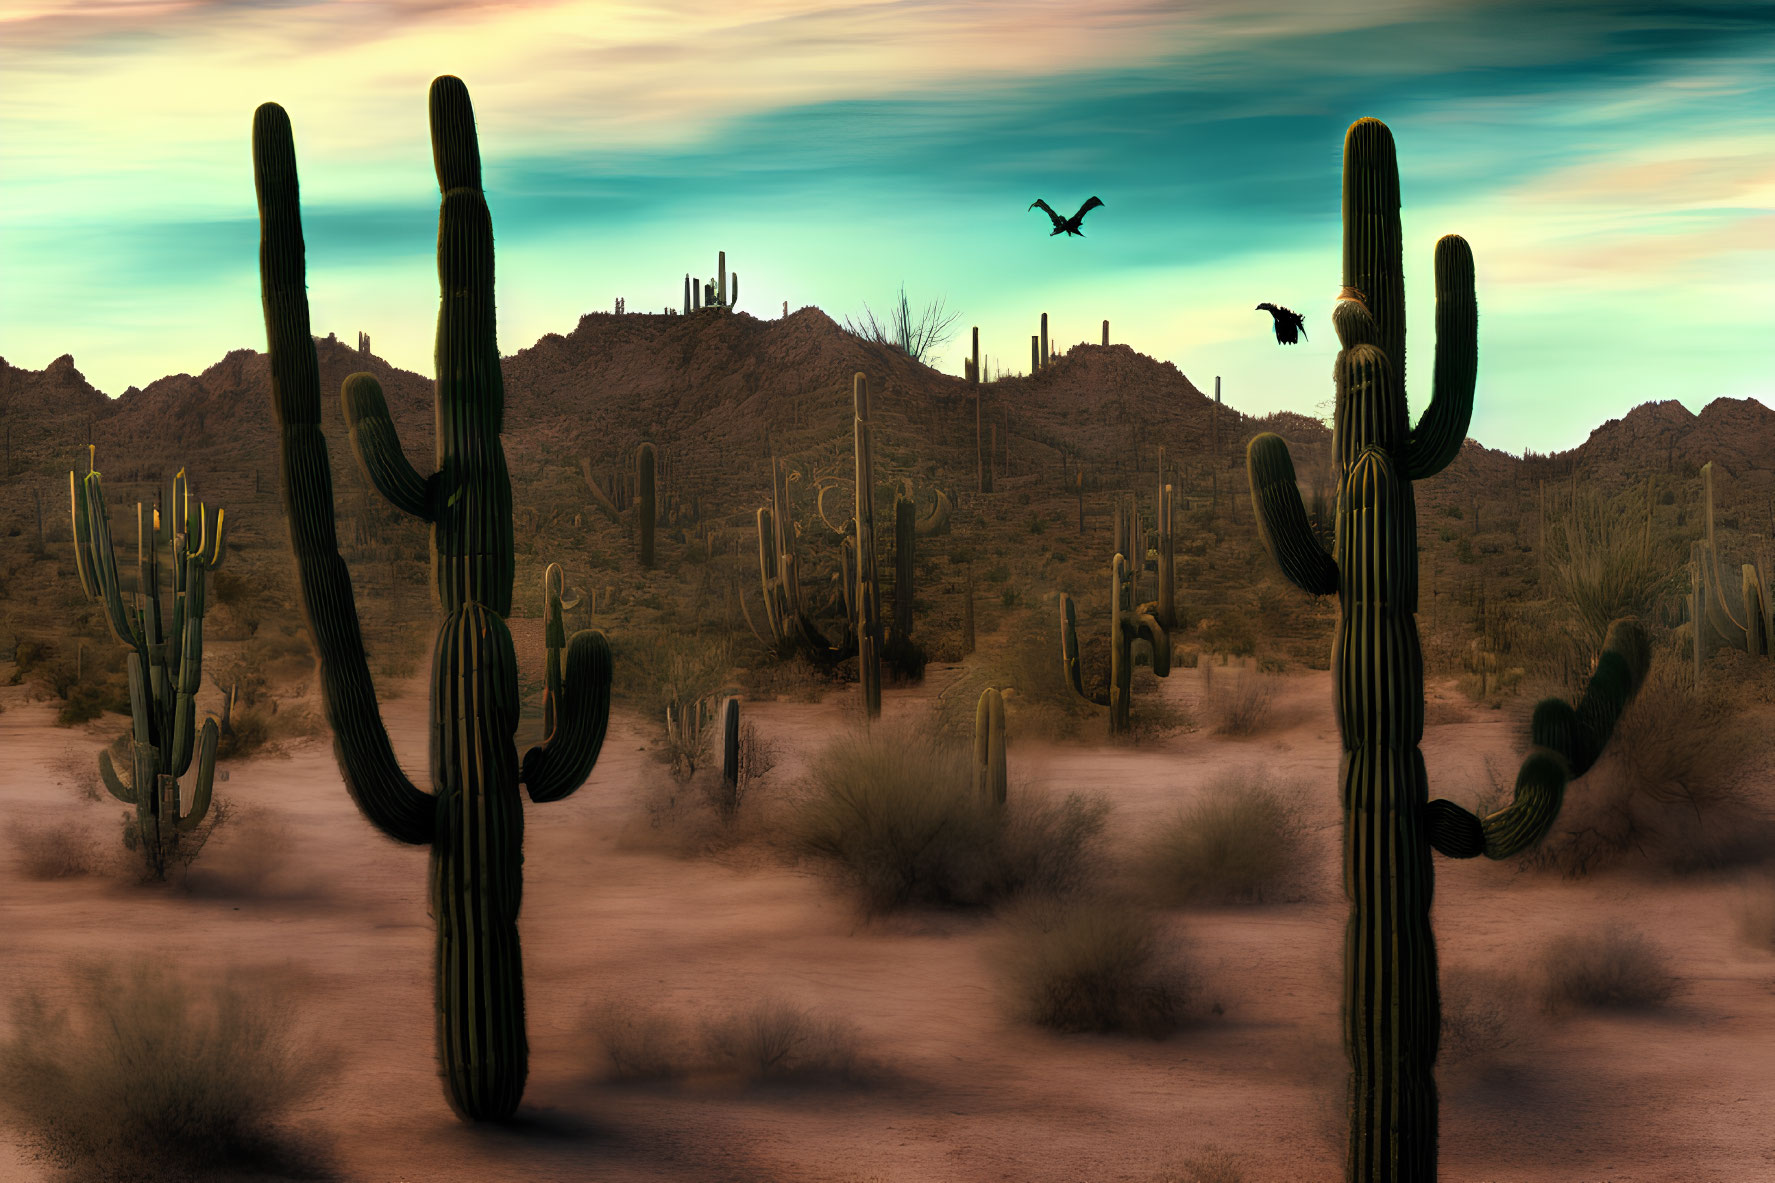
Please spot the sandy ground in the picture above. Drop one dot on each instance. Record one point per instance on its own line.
(1685, 1095)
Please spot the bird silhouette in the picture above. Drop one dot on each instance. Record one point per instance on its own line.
(1291, 327)
(1066, 225)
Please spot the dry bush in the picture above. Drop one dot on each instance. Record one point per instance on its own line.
(1669, 791)
(1485, 1013)
(1023, 660)
(1755, 914)
(768, 1041)
(1208, 1165)
(1237, 706)
(57, 849)
(1614, 968)
(1605, 564)
(1092, 965)
(251, 860)
(1240, 841)
(775, 1041)
(146, 1076)
(896, 815)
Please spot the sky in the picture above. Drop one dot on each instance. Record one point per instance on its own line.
(1612, 165)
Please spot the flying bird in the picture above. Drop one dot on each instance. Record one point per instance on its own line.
(1066, 225)
(1291, 327)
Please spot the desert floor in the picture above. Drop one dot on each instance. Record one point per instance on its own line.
(1684, 1094)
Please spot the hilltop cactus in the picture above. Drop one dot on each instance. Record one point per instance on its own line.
(473, 822)
(1392, 1013)
(1127, 624)
(989, 747)
(165, 666)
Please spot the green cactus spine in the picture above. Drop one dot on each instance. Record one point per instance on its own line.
(868, 602)
(989, 747)
(646, 508)
(1127, 624)
(473, 822)
(165, 667)
(1392, 1014)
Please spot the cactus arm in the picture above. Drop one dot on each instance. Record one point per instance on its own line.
(373, 776)
(1069, 653)
(114, 785)
(1568, 742)
(89, 583)
(101, 562)
(847, 526)
(600, 500)
(206, 775)
(560, 764)
(189, 679)
(378, 448)
(937, 521)
(1437, 439)
(1142, 625)
(1283, 519)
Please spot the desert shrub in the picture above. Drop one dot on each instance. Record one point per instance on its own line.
(1092, 965)
(895, 814)
(1614, 967)
(775, 1041)
(1605, 564)
(1484, 1014)
(767, 1041)
(757, 757)
(51, 850)
(27, 657)
(1756, 915)
(1231, 630)
(146, 1076)
(251, 860)
(1237, 706)
(1208, 1165)
(1240, 841)
(1669, 791)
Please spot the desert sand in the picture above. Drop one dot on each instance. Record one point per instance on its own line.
(1682, 1095)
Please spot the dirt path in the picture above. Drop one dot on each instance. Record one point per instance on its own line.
(1687, 1095)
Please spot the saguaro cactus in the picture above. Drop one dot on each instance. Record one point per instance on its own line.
(473, 821)
(1127, 624)
(165, 667)
(1392, 1014)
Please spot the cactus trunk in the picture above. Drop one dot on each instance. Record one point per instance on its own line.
(1392, 1014)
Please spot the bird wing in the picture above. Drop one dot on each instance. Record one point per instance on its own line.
(1038, 203)
(1086, 208)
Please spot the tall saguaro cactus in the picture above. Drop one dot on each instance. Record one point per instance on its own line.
(1392, 1013)
(473, 821)
(165, 668)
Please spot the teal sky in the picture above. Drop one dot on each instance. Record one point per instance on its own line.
(1612, 164)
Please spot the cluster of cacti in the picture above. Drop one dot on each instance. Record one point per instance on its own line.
(989, 747)
(473, 822)
(1128, 623)
(714, 293)
(788, 626)
(1392, 1012)
(1710, 611)
(165, 664)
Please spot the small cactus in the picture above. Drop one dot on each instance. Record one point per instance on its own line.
(989, 747)
(165, 667)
